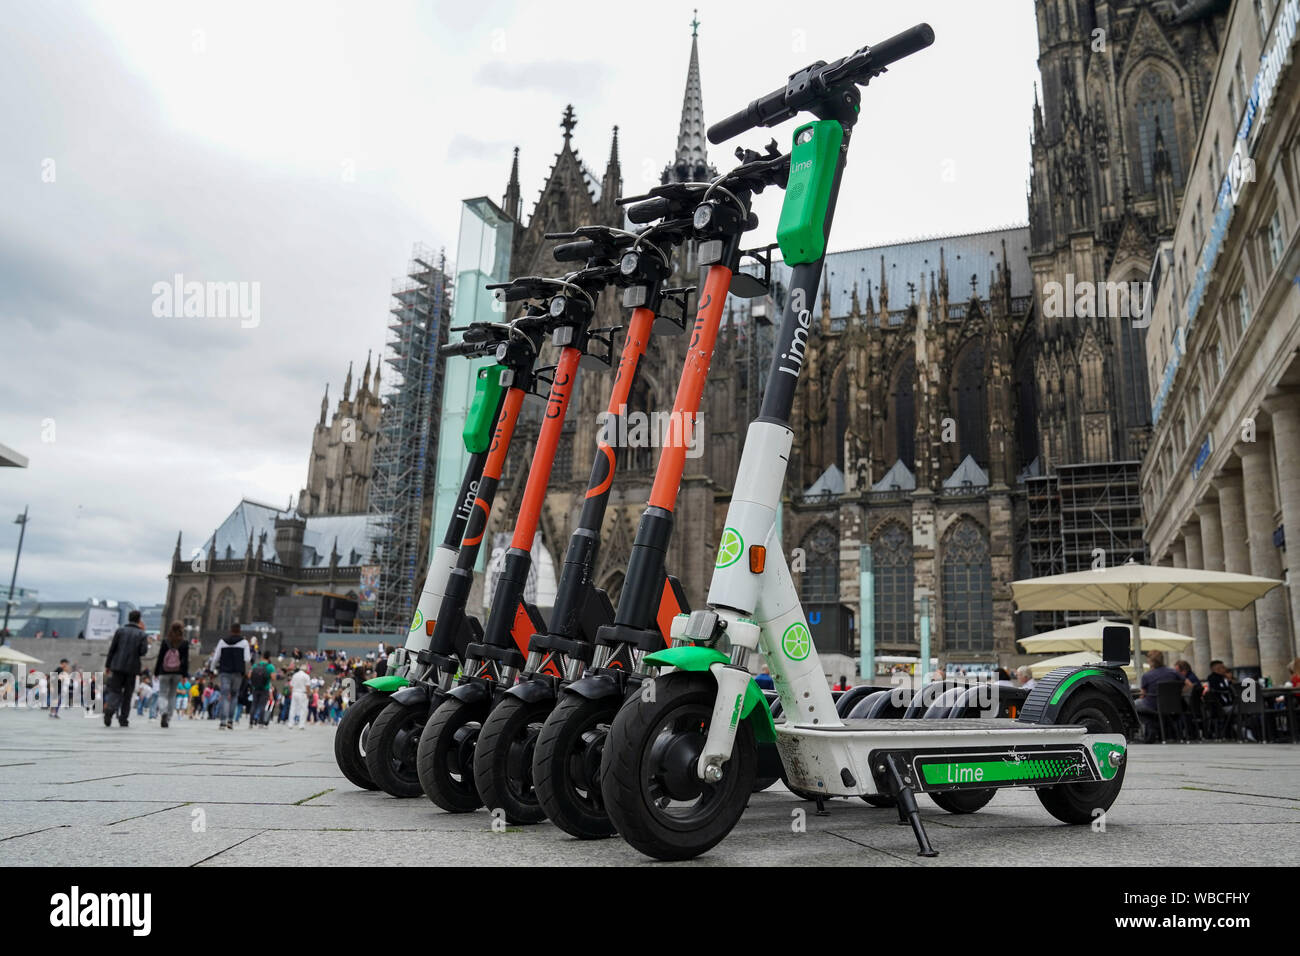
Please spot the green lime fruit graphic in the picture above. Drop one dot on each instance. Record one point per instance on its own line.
(796, 642)
(731, 548)
(419, 620)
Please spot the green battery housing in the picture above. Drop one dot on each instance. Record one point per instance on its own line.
(814, 158)
(482, 415)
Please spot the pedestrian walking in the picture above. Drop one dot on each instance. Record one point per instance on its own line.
(260, 682)
(299, 683)
(122, 667)
(231, 660)
(58, 684)
(172, 666)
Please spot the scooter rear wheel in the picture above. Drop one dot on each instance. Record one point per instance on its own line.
(350, 738)
(444, 759)
(567, 761)
(649, 781)
(503, 758)
(391, 746)
(1079, 803)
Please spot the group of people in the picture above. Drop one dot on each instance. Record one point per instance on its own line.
(1217, 694)
(236, 681)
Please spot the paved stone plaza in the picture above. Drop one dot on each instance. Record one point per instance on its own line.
(73, 792)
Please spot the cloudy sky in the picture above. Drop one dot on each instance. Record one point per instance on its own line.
(305, 147)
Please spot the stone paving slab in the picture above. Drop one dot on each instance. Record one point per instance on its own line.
(74, 792)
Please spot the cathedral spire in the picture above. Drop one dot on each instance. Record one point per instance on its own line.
(943, 275)
(613, 183)
(176, 555)
(690, 161)
(365, 377)
(568, 121)
(511, 202)
(325, 403)
(884, 287)
(347, 384)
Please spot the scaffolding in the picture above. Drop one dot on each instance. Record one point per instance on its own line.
(401, 498)
(1080, 517)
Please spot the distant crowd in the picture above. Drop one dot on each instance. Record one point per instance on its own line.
(235, 682)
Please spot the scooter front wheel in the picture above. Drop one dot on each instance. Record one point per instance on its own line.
(503, 758)
(391, 746)
(350, 738)
(444, 758)
(567, 761)
(654, 795)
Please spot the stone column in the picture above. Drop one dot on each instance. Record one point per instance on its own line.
(1200, 619)
(1284, 410)
(1212, 560)
(1271, 621)
(1182, 619)
(1236, 558)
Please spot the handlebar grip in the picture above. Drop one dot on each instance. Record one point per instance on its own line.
(910, 41)
(460, 348)
(574, 251)
(648, 210)
(734, 125)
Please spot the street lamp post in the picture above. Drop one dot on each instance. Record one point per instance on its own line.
(9, 602)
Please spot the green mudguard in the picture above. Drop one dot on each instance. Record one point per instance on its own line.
(693, 658)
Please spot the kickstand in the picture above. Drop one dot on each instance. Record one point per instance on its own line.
(907, 810)
(821, 806)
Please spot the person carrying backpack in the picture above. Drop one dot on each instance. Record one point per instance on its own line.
(260, 681)
(173, 664)
(231, 657)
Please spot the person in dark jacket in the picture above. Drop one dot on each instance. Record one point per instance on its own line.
(173, 664)
(122, 668)
(231, 661)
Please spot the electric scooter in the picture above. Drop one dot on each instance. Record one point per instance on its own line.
(681, 758)
(397, 718)
(490, 393)
(445, 747)
(567, 755)
(503, 753)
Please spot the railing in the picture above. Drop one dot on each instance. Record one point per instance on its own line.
(891, 494)
(963, 491)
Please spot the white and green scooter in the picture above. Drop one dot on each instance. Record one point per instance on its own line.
(680, 760)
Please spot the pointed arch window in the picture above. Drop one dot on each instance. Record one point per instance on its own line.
(967, 597)
(225, 610)
(902, 413)
(192, 610)
(891, 559)
(1155, 108)
(970, 401)
(820, 583)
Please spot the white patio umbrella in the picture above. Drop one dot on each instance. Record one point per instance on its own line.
(1088, 637)
(1077, 659)
(1135, 590)
(10, 655)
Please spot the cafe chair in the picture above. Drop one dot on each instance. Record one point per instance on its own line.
(1251, 714)
(1169, 707)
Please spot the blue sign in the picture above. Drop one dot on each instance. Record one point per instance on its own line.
(1202, 456)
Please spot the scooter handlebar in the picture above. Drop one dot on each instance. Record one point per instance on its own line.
(781, 104)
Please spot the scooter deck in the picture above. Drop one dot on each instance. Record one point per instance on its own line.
(975, 726)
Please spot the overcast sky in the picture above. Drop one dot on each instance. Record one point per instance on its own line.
(305, 147)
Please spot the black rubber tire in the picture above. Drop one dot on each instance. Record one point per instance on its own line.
(879, 799)
(568, 748)
(964, 801)
(444, 759)
(1076, 802)
(391, 746)
(350, 738)
(649, 761)
(503, 758)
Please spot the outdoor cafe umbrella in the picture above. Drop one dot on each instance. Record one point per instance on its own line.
(1042, 668)
(1087, 637)
(1136, 590)
(9, 655)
